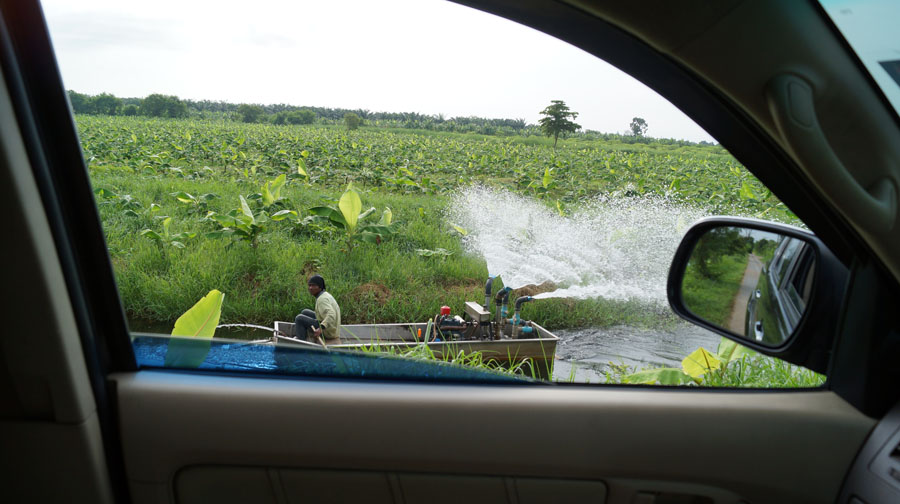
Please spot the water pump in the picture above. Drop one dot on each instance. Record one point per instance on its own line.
(520, 326)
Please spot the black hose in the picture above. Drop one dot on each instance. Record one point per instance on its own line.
(522, 300)
(487, 293)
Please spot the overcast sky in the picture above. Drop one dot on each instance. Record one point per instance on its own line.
(426, 56)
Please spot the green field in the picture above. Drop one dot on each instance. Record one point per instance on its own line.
(138, 166)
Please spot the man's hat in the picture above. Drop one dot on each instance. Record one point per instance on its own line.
(317, 280)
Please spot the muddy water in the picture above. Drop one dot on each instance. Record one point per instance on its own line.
(589, 351)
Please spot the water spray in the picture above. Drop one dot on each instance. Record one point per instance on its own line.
(610, 247)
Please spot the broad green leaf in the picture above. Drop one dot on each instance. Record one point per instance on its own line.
(131, 213)
(730, 350)
(305, 154)
(197, 326)
(421, 212)
(245, 209)
(177, 244)
(224, 220)
(350, 206)
(301, 167)
(459, 230)
(746, 191)
(700, 362)
(268, 198)
(283, 214)
(386, 217)
(333, 215)
(104, 193)
(545, 181)
(277, 184)
(166, 222)
(153, 235)
(378, 229)
(665, 376)
(183, 197)
(155, 208)
(365, 214)
(369, 237)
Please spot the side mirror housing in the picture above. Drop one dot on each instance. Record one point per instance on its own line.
(772, 287)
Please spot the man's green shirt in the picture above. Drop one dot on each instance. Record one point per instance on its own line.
(328, 313)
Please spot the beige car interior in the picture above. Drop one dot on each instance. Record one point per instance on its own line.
(195, 438)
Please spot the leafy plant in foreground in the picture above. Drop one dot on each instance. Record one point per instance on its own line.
(240, 224)
(732, 365)
(348, 218)
(199, 204)
(196, 328)
(166, 238)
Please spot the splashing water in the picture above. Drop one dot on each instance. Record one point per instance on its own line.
(615, 248)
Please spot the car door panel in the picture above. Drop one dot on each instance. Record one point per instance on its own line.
(748, 443)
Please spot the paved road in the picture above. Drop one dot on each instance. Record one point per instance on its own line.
(738, 320)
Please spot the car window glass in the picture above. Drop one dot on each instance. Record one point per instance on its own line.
(399, 180)
(800, 284)
(869, 27)
(787, 255)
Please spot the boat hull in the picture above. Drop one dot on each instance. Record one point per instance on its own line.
(540, 350)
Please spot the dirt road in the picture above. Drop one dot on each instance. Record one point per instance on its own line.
(737, 321)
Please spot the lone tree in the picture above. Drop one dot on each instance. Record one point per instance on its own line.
(638, 127)
(556, 120)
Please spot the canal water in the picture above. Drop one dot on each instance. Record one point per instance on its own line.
(586, 355)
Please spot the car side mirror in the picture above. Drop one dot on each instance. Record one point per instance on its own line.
(760, 284)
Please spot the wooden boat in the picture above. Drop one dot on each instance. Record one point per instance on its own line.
(538, 346)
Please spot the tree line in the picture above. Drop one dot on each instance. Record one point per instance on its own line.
(168, 106)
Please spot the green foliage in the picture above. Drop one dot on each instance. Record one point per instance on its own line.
(80, 102)
(556, 120)
(239, 224)
(166, 237)
(251, 113)
(351, 121)
(159, 105)
(295, 117)
(711, 295)
(396, 162)
(106, 104)
(199, 204)
(638, 127)
(717, 244)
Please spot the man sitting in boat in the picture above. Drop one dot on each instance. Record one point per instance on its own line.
(325, 321)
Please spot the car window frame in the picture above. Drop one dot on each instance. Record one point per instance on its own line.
(106, 331)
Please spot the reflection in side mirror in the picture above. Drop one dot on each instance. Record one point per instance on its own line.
(755, 284)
